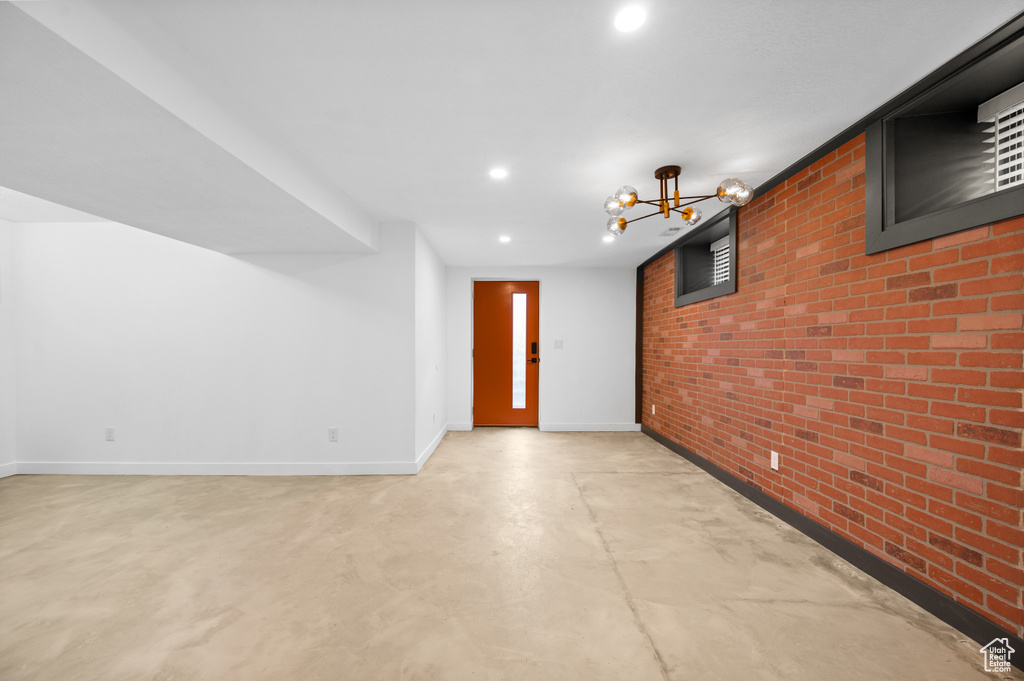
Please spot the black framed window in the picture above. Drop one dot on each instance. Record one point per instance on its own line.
(706, 260)
(939, 163)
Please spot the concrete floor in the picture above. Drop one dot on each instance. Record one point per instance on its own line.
(515, 554)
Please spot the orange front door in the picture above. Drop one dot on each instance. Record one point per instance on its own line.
(505, 353)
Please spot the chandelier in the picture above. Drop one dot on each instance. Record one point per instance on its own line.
(733, 191)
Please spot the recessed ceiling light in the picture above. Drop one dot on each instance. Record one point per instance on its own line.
(499, 173)
(608, 239)
(630, 18)
(504, 239)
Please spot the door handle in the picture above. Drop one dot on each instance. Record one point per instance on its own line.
(534, 361)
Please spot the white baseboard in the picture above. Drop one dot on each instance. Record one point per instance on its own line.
(577, 427)
(204, 468)
(425, 454)
(133, 468)
(590, 427)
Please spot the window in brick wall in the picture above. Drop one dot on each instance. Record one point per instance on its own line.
(951, 158)
(706, 260)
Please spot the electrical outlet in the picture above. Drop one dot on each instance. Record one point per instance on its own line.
(775, 461)
(109, 434)
(433, 417)
(332, 434)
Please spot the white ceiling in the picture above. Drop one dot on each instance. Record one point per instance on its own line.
(398, 109)
(18, 207)
(75, 133)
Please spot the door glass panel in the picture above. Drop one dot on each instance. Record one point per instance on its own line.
(519, 351)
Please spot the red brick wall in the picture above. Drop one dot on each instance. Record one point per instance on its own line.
(890, 384)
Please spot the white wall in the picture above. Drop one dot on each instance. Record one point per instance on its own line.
(8, 374)
(206, 363)
(587, 385)
(431, 329)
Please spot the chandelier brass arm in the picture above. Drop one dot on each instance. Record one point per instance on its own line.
(674, 209)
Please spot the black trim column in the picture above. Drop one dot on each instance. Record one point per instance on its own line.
(639, 371)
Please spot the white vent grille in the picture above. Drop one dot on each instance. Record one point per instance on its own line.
(1005, 114)
(720, 253)
(1010, 147)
